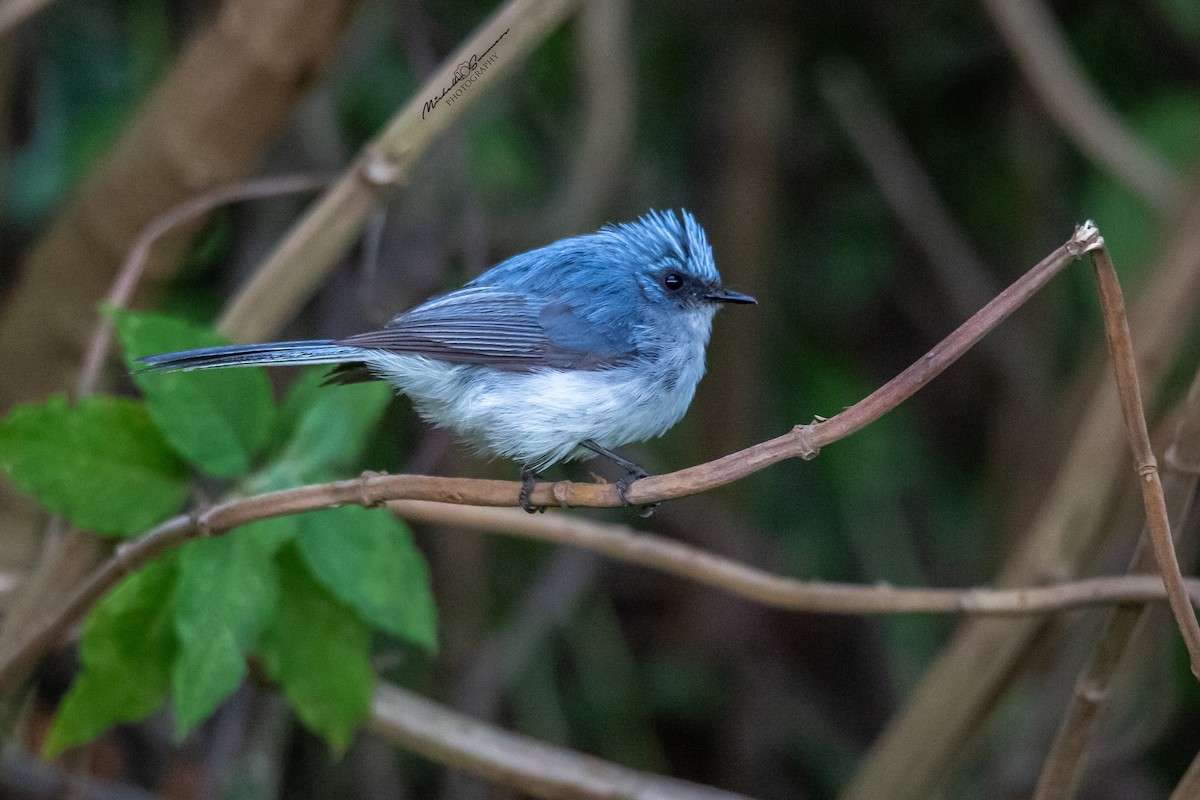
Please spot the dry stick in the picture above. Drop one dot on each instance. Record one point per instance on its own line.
(673, 557)
(533, 767)
(1064, 764)
(806, 441)
(1120, 345)
(1063, 767)
(803, 441)
(1044, 57)
(130, 275)
(288, 277)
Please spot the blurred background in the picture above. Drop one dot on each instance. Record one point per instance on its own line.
(871, 172)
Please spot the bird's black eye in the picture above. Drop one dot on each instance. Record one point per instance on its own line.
(673, 281)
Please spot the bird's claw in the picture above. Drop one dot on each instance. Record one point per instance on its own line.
(528, 481)
(623, 486)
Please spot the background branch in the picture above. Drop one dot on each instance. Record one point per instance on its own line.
(959, 269)
(1069, 97)
(525, 764)
(1063, 769)
(288, 277)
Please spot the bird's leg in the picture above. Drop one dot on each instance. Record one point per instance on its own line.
(529, 479)
(633, 472)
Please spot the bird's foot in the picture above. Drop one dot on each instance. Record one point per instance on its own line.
(634, 474)
(529, 479)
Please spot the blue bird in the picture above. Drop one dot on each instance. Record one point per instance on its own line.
(564, 352)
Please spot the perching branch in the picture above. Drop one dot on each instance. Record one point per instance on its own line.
(803, 441)
(527, 765)
(615, 541)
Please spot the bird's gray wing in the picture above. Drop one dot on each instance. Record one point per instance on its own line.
(488, 326)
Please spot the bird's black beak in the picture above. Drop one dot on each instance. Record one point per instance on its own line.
(729, 296)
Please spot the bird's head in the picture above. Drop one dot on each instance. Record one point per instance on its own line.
(673, 262)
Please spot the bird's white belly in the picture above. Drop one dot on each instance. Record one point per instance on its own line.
(540, 417)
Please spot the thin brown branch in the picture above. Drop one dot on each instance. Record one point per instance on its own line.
(1064, 764)
(289, 276)
(527, 765)
(821, 597)
(958, 691)
(803, 441)
(1063, 767)
(1158, 527)
(1069, 97)
(615, 541)
(131, 272)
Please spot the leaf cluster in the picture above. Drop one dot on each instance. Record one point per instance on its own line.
(300, 595)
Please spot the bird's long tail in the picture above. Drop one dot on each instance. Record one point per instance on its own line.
(317, 351)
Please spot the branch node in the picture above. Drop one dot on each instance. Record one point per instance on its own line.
(380, 171)
(1148, 470)
(121, 556)
(1086, 239)
(364, 496)
(804, 436)
(200, 521)
(560, 490)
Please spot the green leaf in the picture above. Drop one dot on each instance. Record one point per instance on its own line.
(216, 419)
(367, 558)
(228, 588)
(327, 432)
(101, 463)
(126, 650)
(317, 649)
